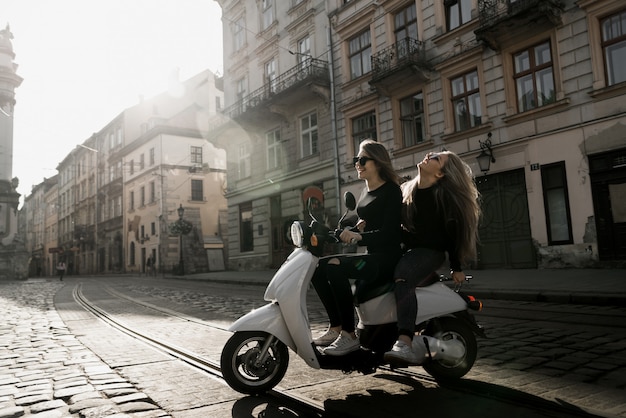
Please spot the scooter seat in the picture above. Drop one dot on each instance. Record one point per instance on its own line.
(366, 291)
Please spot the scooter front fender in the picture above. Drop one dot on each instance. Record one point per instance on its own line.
(267, 318)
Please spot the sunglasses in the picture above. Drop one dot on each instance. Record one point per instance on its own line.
(361, 160)
(435, 156)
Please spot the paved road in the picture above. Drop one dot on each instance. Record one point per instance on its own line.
(44, 368)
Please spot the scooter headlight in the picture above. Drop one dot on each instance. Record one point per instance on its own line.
(297, 234)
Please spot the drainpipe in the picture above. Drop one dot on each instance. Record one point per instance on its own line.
(333, 117)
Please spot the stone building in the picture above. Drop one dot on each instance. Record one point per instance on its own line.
(35, 213)
(534, 88)
(119, 190)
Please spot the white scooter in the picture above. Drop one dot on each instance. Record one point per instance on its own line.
(255, 358)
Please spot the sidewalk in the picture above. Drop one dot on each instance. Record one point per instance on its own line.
(577, 286)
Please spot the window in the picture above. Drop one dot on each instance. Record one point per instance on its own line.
(534, 80)
(152, 228)
(241, 88)
(246, 238)
(131, 256)
(270, 75)
(239, 34)
(152, 192)
(614, 47)
(268, 13)
(556, 203)
(151, 156)
(244, 160)
(458, 12)
(308, 134)
(196, 155)
(197, 193)
(412, 119)
(132, 167)
(405, 23)
(304, 49)
(131, 200)
(274, 149)
(363, 127)
(466, 101)
(241, 92)
(142, 162)
(142, 196)
(118, 206)
(360, 53)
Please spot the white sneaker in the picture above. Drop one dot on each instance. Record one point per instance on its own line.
(344, 344)
(402, 355)
(327, 338)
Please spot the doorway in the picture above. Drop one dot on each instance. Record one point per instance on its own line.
(505, 235)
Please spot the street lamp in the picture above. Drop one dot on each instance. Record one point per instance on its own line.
(181, 261)
(486, 155)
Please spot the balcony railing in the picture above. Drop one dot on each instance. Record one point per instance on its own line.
(310, 70)
(494, 16)
(405, 53)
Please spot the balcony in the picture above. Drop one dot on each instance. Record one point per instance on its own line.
(392, 65)
(505, 19)
(299, 83)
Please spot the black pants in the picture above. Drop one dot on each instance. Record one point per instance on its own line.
(415, 265)
(332, 282)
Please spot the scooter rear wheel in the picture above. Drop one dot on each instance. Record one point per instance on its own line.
(446, 329)
(241, 367)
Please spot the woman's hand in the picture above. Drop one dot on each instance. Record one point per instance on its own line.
(458, 277)
(360, 225)
(350, 237)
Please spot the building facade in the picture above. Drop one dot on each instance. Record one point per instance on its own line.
(534, 86)
(280, 135)
(118, 192)
(50, 242)
(35, 212)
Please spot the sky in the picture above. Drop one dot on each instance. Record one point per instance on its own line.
(84, 61)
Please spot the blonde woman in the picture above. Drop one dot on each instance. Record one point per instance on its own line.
(440, 214)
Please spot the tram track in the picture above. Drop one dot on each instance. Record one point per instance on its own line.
(288, 397)
(207, 366)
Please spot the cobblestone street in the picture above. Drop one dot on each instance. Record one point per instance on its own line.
(46, 371)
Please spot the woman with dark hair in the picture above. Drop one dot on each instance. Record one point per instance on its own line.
(378, 228)
(440, 214)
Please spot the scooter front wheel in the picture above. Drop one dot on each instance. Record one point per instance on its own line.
(448, 329)
(244, 366)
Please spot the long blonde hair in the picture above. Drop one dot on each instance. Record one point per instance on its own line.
(456, 194)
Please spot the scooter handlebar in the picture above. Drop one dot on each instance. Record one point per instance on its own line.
(444, 278)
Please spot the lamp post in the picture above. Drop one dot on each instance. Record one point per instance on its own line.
(181, 261)
(486, 155)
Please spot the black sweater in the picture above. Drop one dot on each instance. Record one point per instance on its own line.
(380, 209)
(430, 228)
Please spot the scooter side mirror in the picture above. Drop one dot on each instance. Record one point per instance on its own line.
(310, 205)
(350, 201)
